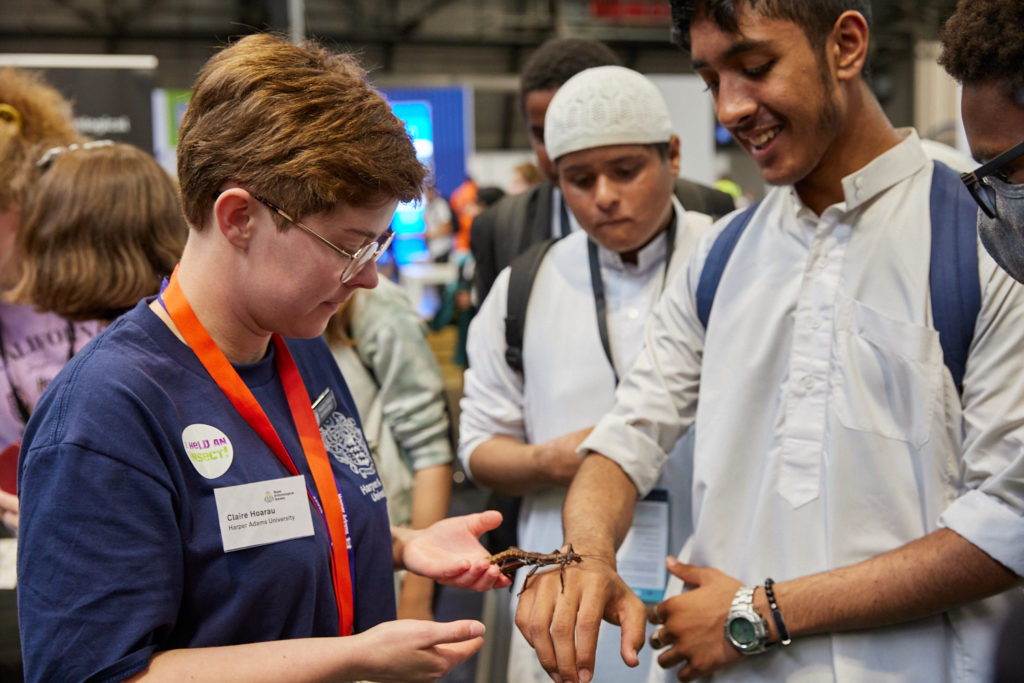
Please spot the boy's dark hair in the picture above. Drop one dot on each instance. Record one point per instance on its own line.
(983, 41)
(815, 17)
(559, 59)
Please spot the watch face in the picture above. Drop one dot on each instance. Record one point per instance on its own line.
(742, 631)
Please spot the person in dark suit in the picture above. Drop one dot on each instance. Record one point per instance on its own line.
(508, 228)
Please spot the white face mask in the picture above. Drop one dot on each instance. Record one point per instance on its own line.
(1003, 236)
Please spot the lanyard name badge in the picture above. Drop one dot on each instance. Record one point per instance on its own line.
(263, 512)
(221, 371)
(641, 557)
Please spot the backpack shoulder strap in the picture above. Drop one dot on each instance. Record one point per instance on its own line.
(495, 236)
(953, 274)
(689, 195)
(520, 282)
(718, 256)
(703, 199)
(534, 218)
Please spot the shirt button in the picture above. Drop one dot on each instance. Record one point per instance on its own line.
(807, 382)
(814, 324)
(632, 314)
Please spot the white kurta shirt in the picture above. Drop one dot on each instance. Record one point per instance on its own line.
(828, 429)
(569, 382)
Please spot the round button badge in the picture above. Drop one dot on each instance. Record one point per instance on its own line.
(208, 449)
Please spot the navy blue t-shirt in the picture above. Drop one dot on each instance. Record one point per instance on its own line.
(120, 551)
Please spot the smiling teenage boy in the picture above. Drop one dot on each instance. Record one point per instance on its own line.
(836, 452)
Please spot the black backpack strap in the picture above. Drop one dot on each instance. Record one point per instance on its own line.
(689, 195)
(534, 221)
(703, 199)
(953, 274)
(523, 272)
(714, 264)
(497, 235)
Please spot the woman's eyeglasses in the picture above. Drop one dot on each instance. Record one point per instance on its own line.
(368, 253)
(980, 189)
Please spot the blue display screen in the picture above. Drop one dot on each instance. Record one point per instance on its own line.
(408, 223)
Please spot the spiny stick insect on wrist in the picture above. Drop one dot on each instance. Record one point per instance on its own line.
(508, 561)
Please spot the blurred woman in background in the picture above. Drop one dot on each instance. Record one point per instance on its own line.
(380, 344)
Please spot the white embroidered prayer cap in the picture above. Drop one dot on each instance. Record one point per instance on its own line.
(605, 105)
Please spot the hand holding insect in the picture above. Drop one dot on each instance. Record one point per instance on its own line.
(574, 604)
(562, 627)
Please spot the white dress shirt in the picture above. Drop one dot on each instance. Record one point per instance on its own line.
(569, 385)
(828, 429)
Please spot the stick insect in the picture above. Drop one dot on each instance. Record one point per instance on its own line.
(510, 560)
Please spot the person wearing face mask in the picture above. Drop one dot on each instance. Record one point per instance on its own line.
(990, 66)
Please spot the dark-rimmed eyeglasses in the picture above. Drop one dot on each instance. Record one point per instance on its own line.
(368, 253)
(981, 190)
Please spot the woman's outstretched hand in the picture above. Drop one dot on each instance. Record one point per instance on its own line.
(449, 552)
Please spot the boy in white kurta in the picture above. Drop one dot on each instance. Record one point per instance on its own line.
(518, 431)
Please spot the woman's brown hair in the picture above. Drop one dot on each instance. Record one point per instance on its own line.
(31, 113)
(296, 124)
(99, 229)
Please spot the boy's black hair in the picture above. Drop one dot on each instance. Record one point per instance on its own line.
(815, 17)
(559, 59)
(984, 41)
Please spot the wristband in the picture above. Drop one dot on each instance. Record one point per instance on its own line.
(780, 624)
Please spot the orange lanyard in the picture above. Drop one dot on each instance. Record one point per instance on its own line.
(226, 377)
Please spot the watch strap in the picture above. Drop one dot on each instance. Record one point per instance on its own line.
(743, 608)
(744, 598)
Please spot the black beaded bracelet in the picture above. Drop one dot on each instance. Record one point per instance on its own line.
(780, 624)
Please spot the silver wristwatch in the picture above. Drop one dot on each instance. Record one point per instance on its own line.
(744, 627)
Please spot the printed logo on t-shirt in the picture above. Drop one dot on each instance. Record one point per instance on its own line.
(344, 440)
(208, 449)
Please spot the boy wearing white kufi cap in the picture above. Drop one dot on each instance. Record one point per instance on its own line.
(605, 105)
(608, 132)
